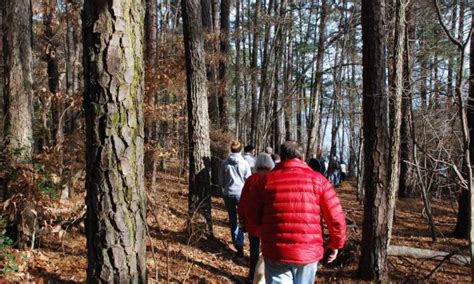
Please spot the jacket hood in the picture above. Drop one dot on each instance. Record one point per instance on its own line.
(234, 158)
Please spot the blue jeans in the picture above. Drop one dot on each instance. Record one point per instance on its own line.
(335, 177)
(285, 273)
(231, 204)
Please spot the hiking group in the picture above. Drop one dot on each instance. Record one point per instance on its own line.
(280, 201)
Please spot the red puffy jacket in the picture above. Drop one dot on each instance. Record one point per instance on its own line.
(287, 204)
(247, 195)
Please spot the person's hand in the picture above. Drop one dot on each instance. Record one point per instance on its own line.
(332, 254)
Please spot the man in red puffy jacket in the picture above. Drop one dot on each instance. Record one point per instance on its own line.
(288, 204)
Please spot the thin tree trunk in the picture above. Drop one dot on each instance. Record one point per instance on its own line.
(406, 144)
(470, 122)
(253, 70)
(238, 67)
(397, 97)
(207, 17)
(315, 101)
(115, 223)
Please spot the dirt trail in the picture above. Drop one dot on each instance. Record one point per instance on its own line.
(180, 258)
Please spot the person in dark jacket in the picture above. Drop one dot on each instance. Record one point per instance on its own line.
(287, 205)
(233, 173)
(315, 165)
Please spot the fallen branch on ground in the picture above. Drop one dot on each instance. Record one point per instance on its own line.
(457, 259)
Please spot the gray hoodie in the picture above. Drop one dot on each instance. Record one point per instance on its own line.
(233, 173)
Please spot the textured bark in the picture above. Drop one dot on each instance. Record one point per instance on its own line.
(237, 71)
(373, 260)
(199, 200)
(151, 42)
(151, 32)
(18, 111)
(18, 92)
(113, 103)
(223, 64)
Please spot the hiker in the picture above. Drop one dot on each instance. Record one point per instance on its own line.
(343, 170)
(324, 167)
(315, 165)
(335, 171)
(233, 173)
(324, 161)
(269, 150)
(287, 204)
(263, 165)
(249, 156)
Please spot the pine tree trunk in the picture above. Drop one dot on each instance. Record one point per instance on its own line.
(18, 110)
(223, 64)
(113, 103)
(198, 120)
(373, 260)
(238, 68)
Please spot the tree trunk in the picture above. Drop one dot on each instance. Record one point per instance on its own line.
(406, 145)
(199, 201)
(237, 72)
(463, 220)
(253, 79)
(397, 97)
(470, 121)
(264, 92)
(18, 111)
(224, 55)
(113, 103)
(151, 41)
(373, 260)
(207, 18)
(50, 49)
(315, 100)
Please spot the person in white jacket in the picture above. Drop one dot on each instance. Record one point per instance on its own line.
(249, 156)
(233, 173)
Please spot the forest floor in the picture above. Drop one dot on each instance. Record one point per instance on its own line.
(176, 257)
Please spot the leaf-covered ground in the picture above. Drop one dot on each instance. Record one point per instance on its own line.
(175, 256)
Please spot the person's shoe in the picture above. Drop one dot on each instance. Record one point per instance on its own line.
(239, 253)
